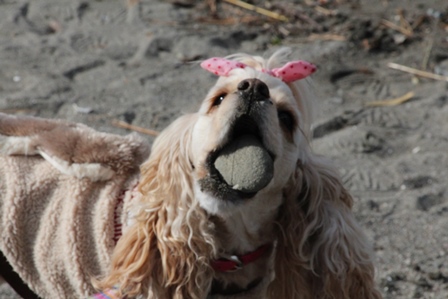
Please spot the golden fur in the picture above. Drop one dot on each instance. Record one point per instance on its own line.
(320, 250)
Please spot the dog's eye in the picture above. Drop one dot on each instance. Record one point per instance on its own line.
(286, 119)
(218, 100)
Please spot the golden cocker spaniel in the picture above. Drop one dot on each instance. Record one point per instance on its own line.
(200, 232)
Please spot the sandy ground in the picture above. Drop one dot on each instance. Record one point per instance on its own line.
(96, 61)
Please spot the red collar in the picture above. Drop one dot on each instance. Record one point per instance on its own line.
(235, 262)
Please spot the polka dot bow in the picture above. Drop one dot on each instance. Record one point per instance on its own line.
(290, 72)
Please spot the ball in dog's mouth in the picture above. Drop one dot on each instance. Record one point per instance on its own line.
(245, 164)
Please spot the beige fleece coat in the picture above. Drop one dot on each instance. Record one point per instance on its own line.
(60, 185)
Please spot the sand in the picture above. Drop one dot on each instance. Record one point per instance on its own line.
(98, 61)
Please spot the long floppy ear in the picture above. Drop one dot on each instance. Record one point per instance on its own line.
(323, 252)
(165, 253)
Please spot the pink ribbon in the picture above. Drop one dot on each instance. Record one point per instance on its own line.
(221, 66)
(294, 70)
(290, 72)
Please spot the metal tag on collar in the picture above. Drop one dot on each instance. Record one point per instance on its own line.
(238, 263)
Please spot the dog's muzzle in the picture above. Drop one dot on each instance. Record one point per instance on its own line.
(242, 166)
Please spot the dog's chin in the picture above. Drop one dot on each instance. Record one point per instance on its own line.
(213, 183)
(215, 205)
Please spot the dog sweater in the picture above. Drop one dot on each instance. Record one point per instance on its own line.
(65, 191)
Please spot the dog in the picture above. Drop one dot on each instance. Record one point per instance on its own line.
(195, 236)
(191, 233)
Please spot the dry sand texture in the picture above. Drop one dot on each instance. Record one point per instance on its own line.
(98, 61)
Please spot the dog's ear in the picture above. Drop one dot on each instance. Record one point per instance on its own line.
(165, 251)
(323, 252)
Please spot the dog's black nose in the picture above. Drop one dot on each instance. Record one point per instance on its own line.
(254, 89)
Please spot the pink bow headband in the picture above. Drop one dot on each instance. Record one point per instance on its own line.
(290, 72)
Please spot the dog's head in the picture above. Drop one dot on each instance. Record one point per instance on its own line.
(250, 101)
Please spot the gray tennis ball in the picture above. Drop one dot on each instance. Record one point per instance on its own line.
(245, 164)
